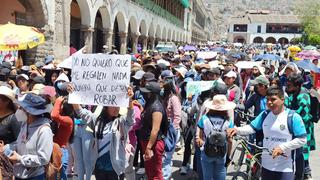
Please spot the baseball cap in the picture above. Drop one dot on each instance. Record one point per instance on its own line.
(138, 75)
(6, 65)
(231, 74)
(148, 76)
(214, 71)
(151, 87)
(39, 79)
(220, 88)
(166, 74)
(24, 76)
(260, 80)
(39, 64)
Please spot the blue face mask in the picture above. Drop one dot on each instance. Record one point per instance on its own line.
(161, 92)
(60, 85)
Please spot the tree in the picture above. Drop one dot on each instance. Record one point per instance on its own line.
(309, 15)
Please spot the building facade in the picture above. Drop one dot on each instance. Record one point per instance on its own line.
(202, 22)
(263, 27)
(100, 24)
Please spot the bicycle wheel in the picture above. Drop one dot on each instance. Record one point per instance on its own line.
(255, 169)
(237, 157)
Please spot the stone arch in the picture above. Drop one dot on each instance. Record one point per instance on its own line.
(258, 39)
(106, 18)
(133, 24)
(151, 31)
(164, 34)
(239, 39)
(158, 31)
(271, 40)
(283, 40)
(143, 28)
(85, 12)
(122, 25)
(174, 35)
(37, 12)
(169, 36)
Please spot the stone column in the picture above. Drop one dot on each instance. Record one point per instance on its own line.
(107, 35)
(86, 37)
(135, 37)
(123, 42)
(152, 40)
(144, 42)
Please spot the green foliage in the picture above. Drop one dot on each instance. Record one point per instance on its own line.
(309, 14)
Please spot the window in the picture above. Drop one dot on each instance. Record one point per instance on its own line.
(240, 28)
(259, 29)
(20, 18)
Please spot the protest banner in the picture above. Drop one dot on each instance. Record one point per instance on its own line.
(196, 87)
(100, 79)
(206, 54)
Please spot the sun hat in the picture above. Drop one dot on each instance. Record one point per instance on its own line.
(151, 87)
(5, 91)
(62, 77)
(6, 65)
(34, 104)
(220, 103)
(182, 70)
(39, 64)
(260, 80)
(37, 89)
(24, 76)
(231, 74)
(139, 74)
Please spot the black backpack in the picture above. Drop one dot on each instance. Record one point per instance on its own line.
(216, 142)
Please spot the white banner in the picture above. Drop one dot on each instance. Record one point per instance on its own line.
(206, 54)
(100, 79)
(196, 87)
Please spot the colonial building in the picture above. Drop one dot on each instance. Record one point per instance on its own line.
(119, 24)
(202, 22)
(264, 27)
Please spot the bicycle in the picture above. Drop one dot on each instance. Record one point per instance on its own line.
(253, 160)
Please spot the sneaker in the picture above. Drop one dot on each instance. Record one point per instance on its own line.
(307, 177)
(184, 170)
(141, 171)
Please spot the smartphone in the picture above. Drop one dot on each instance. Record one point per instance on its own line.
(7, 151)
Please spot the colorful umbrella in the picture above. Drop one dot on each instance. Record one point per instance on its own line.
(189, 48)
(308, 54)
(307, 64)
(310, 48)
(18, 37)
(294, 49)
(272, 57)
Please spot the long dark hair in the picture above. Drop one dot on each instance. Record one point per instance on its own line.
(169, 89)
(102, 120)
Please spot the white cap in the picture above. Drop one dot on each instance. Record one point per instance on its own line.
(231, 74)
(26, 77)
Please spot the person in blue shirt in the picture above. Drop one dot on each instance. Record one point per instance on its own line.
(277, 136)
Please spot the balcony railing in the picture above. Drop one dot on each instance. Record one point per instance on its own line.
(156, 9)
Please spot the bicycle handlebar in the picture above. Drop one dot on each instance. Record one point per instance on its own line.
(237, 138)
(243, 113)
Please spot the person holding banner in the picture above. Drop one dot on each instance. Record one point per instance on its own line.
(111, 131)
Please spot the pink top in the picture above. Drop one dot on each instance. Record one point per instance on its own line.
(136, 126)
(174, 110)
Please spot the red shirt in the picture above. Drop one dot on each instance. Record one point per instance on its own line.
(65, 124)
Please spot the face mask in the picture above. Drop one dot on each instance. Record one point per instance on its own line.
(60, 85)
(161, 92)
(21, 115)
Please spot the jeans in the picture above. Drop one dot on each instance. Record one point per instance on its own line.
(187, 149)
(130, 174)
(83, 146)
(300, 165)
(267, 175)
(107, 175)
(154, 165)
(65, 158)
(167, 161)
(40, 177)
(214, 167)
(197, 162)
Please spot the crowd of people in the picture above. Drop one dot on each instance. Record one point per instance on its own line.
(44, 137)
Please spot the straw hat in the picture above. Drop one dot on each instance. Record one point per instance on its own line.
(220, 103)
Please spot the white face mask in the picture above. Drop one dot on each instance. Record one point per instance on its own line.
(21, 115)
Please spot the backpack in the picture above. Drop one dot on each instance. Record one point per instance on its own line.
(216, 143)
(52, 169)
(289, 119)
(315, 109)
(171, 139)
